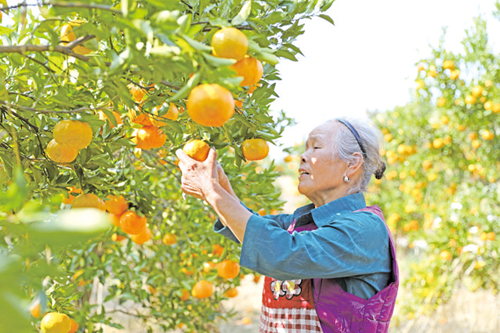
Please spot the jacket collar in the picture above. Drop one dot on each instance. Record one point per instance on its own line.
(326, 213)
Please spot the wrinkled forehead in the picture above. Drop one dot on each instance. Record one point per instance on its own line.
(323, 132)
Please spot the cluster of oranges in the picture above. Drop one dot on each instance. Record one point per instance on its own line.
(226, 269)
(69, 137)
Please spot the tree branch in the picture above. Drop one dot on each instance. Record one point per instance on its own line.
(26, 108)
(170, 85)
(60, 4)
(41, 48)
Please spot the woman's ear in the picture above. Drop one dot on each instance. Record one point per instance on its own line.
(354, 166)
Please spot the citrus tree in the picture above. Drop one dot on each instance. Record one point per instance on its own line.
(96, 97)
(442, 155)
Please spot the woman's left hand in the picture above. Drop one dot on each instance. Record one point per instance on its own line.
(198, 178)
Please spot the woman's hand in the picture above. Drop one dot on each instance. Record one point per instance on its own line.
(198, 178)
(224, 181)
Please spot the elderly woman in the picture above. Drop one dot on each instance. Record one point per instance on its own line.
(331, 265)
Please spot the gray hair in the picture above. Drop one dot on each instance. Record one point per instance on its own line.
(345, 145)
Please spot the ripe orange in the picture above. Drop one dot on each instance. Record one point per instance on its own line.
(487, 135)
(255, 149)
(169, 239)
(67, 35)
(231, 292)
(448, 64)
(488, 105)
(142, 238)
(441, 101)
(133, 224)
(230, 43)
(187, 271)
(197, 149)
(250, 68)
(228, 269)
(59, 153)
(217, 250)
(114, 219)
(172, 114)
(117, 238)
(496, 108)
(116, 204)
(103, 117)
(420, 67)
(88, 200)
(202, 289)
(388, 137)
(210, 105)
(454, 74)
(36, 309)
(150, 137)
(469, 99)
(185, 295)
(73, 134)
(477, 91)
(137, 92)
(262, 212)
(446, 256)
(139, 118)
(74, 326)
(252, 88)
(55, 322)
(70, 198)
(208, 266)
(438, 143)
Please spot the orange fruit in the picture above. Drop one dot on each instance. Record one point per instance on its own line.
(496, 108)
(446, 256)
(210, 105)
(114, 219)
(441, 101)
(137, 92)
(67, 35)
(197, 149)
(187, 271)
(250, 68)
(55, 322)
(59, 153)
(117, 238)
(217, 250)
(116, 204)
(246, 320)
(133, 224)
(36, 309)
(487, 135)
(238, 103)
(208, 266)
(169, 239)
(172, 114)
(103, 117)
(477, 91)
(88, 200)
(230, 43)
(255, 149)
(454, 74)
(139, 118)
(74, 326)
(231, 292)
(228, 269)
(488, 105)
(262, 212)
(252, 88)
(142, 238)
(469, 99)
(202, 289)
(73, 134)
(185, 295)
(438, 143)
(150, 137)
(70, 198)
(420, 67)
(448, 64)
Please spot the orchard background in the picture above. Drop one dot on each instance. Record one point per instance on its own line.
(129, 58)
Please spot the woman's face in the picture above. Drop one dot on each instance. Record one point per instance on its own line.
(320, 174)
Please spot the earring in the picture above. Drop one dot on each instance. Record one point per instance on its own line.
(346, 179)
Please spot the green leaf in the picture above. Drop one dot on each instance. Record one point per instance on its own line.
(183, 92)
(165, 51)
(326, 17)
(243, 14)
(216, 62)
(195, 44)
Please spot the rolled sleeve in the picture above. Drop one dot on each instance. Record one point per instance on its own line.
(340, 249)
